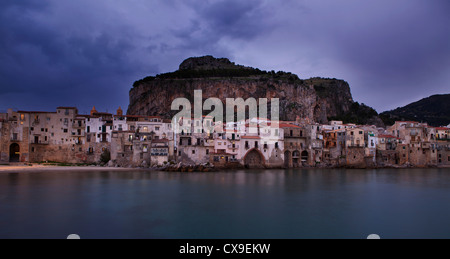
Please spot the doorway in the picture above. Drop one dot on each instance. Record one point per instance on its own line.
(14, 153)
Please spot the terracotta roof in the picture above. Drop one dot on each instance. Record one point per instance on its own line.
(442, 128)
(102, 113)
(284, 125)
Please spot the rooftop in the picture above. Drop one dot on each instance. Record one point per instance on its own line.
(67, 108)
(35, 112)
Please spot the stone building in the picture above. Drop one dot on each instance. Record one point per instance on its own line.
(295, 146)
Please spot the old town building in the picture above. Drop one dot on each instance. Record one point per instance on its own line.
(65, 136)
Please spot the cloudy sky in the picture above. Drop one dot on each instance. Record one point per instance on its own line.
(84, 53)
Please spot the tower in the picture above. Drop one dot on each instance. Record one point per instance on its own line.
(93, 111)
(119, 112)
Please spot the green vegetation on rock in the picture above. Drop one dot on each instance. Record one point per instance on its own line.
(435, 110)
(358, 114)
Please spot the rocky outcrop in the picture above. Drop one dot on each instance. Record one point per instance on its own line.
(317, 98)
(203, 168)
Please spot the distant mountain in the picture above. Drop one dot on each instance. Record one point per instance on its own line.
(434, 110)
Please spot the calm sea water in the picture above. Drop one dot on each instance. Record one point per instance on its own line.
(244, 204)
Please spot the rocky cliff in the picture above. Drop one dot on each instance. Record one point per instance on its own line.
(318, 99)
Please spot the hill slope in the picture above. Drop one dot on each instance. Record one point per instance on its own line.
(435, 110)
(318, 99)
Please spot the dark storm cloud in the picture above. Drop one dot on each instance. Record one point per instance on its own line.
(236, 19)
(43, 65)
(85, 53)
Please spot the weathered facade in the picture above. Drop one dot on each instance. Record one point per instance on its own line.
(65, 136)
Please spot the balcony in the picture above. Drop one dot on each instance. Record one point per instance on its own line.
(40, 142)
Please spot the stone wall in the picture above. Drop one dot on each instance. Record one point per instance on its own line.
(355, 157)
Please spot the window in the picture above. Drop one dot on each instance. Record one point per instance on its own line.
(207, 152)
(193, 152)
(65, 131)
(156, 128)
(88, 129)
(361, 132)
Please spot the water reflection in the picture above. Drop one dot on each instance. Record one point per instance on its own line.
(237, 204)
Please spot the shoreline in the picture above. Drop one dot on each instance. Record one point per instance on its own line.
(46, 168)
(40, 168)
